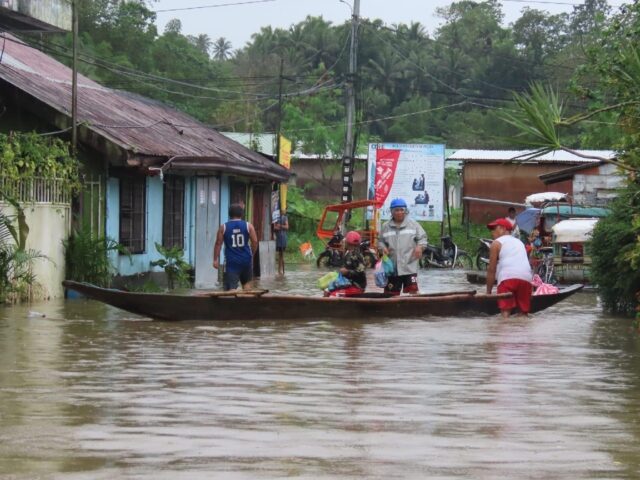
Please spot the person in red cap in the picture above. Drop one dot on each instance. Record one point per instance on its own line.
(353, 269)
(509, 263)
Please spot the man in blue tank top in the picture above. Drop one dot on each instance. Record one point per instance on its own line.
(240, 244)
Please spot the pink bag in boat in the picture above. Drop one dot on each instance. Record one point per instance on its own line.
(543, 288)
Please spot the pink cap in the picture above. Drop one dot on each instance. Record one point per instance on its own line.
(353, 238)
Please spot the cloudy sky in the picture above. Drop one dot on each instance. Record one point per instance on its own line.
(237, 20)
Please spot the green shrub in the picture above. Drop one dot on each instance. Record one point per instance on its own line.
(28, 155)
(17, 279)
(177, 270)
(87, 257)
(614, 269)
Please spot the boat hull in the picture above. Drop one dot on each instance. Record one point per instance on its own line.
(289, 307)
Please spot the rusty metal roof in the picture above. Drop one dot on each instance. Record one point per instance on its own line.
(147, 130)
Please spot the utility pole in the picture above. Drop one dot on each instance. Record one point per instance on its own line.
(279, 126)
(349, 147)
(74, 79)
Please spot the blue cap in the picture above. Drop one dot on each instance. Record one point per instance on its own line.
(398, 203)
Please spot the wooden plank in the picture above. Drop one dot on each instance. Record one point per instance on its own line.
(233, 293)
(444, 294)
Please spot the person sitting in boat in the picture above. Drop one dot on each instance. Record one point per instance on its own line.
(533, 245)
(403, 240)
(508, 262)
(353, 269)
(240, 245)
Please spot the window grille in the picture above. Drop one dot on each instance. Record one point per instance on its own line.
(132, 214)
(173, 212)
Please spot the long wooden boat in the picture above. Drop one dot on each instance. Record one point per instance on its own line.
(219, 306)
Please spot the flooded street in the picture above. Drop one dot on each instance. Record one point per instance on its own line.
(91, 392)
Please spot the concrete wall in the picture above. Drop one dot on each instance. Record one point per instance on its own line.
(42, 14)
(48, 225)
(597, 188)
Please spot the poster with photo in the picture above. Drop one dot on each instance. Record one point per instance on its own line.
(413, 172)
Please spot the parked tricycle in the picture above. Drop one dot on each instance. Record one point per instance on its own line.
(336, 219)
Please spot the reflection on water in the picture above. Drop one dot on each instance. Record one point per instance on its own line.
(88, 391)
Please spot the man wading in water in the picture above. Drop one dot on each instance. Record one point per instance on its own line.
(240, 245)
(508, 261)
(404, 240)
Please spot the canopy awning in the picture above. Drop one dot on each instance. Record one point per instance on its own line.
(574, 230)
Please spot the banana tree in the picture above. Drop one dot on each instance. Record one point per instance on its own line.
(16, 261)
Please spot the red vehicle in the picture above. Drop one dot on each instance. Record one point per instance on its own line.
(363, 217)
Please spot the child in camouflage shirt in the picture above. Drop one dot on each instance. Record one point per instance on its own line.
(354, 268)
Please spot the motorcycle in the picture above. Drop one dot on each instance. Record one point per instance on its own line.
(333, 254)
(447, 255)
(482, 258)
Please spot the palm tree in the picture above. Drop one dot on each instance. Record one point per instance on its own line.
(222, 49)
(204, 43)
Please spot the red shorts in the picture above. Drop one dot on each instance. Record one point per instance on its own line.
(402, 283)
(521, 297)
(345, 292)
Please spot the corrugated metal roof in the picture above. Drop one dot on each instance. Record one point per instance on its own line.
(557, 156)
(142, 127)
(266, 143)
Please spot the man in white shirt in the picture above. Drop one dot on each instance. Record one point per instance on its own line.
(511, 218)
(508, 261)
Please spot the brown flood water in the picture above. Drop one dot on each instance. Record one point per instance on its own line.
(91, 392)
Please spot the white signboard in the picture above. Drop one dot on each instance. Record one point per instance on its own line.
(413, 172)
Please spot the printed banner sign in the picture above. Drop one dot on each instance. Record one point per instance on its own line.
(284, 155)
(386, 166)
(284, 158)
(413, 172)
(275, 206)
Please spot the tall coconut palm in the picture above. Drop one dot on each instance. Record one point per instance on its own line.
(202, 42)
(222, 49)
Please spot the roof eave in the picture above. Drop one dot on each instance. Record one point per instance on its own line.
(275, 172)
(566, 173)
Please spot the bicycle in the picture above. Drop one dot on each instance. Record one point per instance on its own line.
(545, 267)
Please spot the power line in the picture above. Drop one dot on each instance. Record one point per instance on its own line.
(379, 119)
(140, 77)
(211, 6)
(548, 2)
(119, 69)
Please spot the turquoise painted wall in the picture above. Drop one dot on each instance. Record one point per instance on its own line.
(190, 220)
(225, 198)
(113, 216)
(139, 263)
